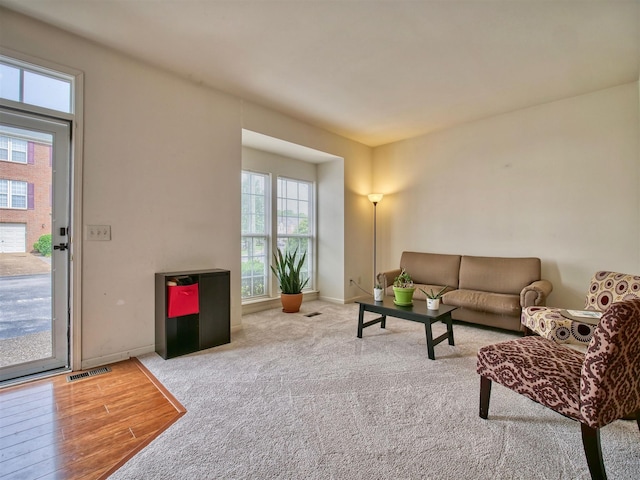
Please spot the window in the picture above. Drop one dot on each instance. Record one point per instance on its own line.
(13, 150)
(255, 235)
(13, 194)
(24, 83)
(292, 228)
(294, 200)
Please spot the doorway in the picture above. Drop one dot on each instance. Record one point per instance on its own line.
(35, 208)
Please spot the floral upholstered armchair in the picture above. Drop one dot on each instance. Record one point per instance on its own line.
(605, 289)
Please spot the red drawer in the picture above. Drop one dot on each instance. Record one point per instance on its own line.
(182, 300)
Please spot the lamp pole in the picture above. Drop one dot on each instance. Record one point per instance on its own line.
(374, 198)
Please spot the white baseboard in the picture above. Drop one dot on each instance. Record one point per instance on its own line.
(339, 301)
(354, 299)
(115, 357)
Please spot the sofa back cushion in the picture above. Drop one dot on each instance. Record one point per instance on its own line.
(498, 274)
(432, 268)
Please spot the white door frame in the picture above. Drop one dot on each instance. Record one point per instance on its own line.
(77, 159)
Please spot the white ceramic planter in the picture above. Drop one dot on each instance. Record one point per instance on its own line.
(433, 303)
(378, 294)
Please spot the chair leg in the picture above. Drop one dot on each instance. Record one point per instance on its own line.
(485, 395)
(593, 451)
(638, 418)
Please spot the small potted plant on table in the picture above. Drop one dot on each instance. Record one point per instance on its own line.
(378, 292)
(403, 289)
(433, 299)
(287, 271)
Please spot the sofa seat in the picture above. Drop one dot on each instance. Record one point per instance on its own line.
(499, 303)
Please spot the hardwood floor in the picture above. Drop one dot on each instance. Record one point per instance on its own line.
(86, 429)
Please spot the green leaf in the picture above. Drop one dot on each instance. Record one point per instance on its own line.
(287, 271)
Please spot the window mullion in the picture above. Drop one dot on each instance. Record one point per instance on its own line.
(21, 90)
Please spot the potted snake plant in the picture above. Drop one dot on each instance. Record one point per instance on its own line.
(433, 299)
(287, 270)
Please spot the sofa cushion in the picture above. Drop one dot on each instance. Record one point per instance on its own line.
(432, 268)
(498, 274)
(419, 295)
(505, 322)
(499, 303)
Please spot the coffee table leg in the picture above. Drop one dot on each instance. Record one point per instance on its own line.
(383, 321)
(449, 323)
(429, 333)
(360, 320)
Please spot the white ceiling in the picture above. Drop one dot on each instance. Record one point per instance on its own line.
(373, 71)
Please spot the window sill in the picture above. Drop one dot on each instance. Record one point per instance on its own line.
(267, 303)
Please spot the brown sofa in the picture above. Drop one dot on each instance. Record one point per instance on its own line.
(488, 291)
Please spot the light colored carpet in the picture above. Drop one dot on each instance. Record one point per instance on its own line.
(302, 398)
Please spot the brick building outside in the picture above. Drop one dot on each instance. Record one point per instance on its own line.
(25, 188)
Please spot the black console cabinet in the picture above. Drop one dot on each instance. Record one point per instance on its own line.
(208, 328)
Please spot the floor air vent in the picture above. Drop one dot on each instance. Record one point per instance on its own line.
(312, 314)
(90, 373)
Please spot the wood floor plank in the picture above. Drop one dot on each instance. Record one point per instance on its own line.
(16, 396)
(84, 429)
(27, 435)
(30, 444)
(26, 424)
(9, 409)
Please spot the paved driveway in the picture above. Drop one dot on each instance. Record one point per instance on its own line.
(12, 264)
(25, 294)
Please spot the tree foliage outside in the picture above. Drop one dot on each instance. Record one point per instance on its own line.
(253, 278)
(43, 245)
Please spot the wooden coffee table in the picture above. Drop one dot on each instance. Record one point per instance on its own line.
(416, 313)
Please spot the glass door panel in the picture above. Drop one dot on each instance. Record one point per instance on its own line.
(34, 244)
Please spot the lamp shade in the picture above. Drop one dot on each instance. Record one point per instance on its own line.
(375, 197)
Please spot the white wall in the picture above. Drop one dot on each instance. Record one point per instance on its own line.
(559, 181)
(162, 163)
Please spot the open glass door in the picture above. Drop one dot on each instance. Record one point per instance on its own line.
(35, 244)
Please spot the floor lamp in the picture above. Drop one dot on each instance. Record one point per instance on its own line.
(374, 198)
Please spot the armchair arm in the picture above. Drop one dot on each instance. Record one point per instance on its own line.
(535, 294)
(386, 278)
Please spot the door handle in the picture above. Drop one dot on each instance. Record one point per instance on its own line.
(62, 246)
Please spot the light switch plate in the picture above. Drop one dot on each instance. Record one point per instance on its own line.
(98, 232)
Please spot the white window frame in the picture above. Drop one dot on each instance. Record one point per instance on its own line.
(11, 148)
(273, 236)
(42, 72)
(283, 234)
(10, 186)
(251, 235)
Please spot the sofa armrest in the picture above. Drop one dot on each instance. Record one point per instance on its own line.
(386, 278)
(535, 294)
